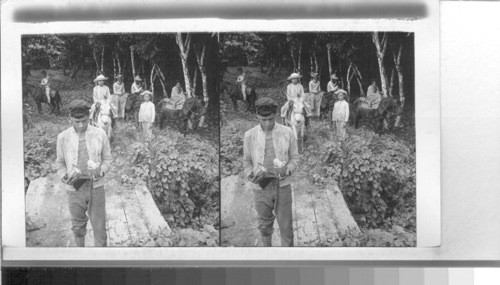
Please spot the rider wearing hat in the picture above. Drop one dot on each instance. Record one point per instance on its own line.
(295, 91)
(101, 91)
(83, 156)
(270, 156)
(137, 85)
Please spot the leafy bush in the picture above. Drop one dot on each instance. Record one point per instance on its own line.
(40, 150)
(183, 176)
(377, 177)
(231, 146)
(373, 238)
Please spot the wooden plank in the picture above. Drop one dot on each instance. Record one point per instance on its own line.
(307, 232)
(325, 217)
(342, 214)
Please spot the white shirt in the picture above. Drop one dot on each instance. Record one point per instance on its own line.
(147, 112)
(118, 88)
(314, 87)
(294, 90)
(340, 111)
(100, 93)
(135, 88)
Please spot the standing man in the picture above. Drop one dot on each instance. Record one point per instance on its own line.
(120, 97)
(270, 156)
(316, 94)
(83, 156)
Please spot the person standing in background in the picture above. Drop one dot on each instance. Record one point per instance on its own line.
(45, 85)
(316, 94)
(340, 116)
(147, 115)
(119, 96)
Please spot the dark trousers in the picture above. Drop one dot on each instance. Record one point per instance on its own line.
(278, 200)
(93, 201)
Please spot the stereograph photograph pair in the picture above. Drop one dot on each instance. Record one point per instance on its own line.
(287, 135)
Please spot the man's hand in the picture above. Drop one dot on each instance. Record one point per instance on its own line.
(96, 173)
(70, 180)
(283, 171)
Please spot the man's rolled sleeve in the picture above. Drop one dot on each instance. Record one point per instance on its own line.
(293, 152)
(247, 156)
(60, 161)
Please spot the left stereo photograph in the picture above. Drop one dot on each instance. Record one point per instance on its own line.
(121, 139)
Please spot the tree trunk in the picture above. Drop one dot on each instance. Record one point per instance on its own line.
(349, 77)
(162, 79)
(132, 60)
(381, 45)
(151, 79)
(311, 62)
(200, 58)
(315, 61)
(184, 48)
(102, 60)
(329, 54)
(399, 69)
(114, 66)
(293, 59)
(98, 70)
(195, 81)
(300, 59)
(391, 84)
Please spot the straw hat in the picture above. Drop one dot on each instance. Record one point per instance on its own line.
(334, 76)
(119, 76)
(314, 75)
(137, 78)
(100, 78)
(294, 76)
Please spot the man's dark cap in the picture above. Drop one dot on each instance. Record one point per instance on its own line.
(266, 106)
(79, 108)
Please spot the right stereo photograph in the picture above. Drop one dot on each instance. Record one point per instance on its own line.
(318, 139)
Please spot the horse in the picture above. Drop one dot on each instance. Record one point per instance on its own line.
(192, 110)
(132, 106)
(295, 119)
(387, 109)
(103, 117)
(327, 103)
(234, 91)
(40, 97)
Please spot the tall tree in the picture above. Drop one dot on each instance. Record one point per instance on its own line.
(381, 46)
(200, 51)
(184, 49)
(396, 56)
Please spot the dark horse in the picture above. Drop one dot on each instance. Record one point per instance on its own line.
(387, 109)
(327, 103)
(234, 91)
(192, 110)
(132, 106)
(40, 97)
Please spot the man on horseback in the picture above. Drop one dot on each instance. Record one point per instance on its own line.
(177, 98)
(45, 85)
(373, 96)
(242, 82)
(295, 91)
(100, 90)
(270, 156)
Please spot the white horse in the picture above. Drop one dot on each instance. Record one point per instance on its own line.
(295, 119)
(103, 115)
